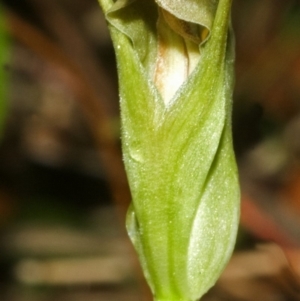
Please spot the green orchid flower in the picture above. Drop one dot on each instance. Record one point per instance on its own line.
(175, 63)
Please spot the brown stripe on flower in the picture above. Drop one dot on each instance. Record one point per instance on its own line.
(172, 63)
(187, 30)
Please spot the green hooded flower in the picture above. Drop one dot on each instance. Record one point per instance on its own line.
(175, 63)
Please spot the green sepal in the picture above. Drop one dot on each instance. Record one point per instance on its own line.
(180, 166)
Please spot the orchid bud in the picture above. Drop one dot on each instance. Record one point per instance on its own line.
(175, 64)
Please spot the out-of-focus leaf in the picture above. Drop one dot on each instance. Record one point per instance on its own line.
(4, 57)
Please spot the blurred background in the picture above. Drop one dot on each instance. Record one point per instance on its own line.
(63, 190)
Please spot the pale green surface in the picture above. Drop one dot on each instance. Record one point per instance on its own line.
(178, 156)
